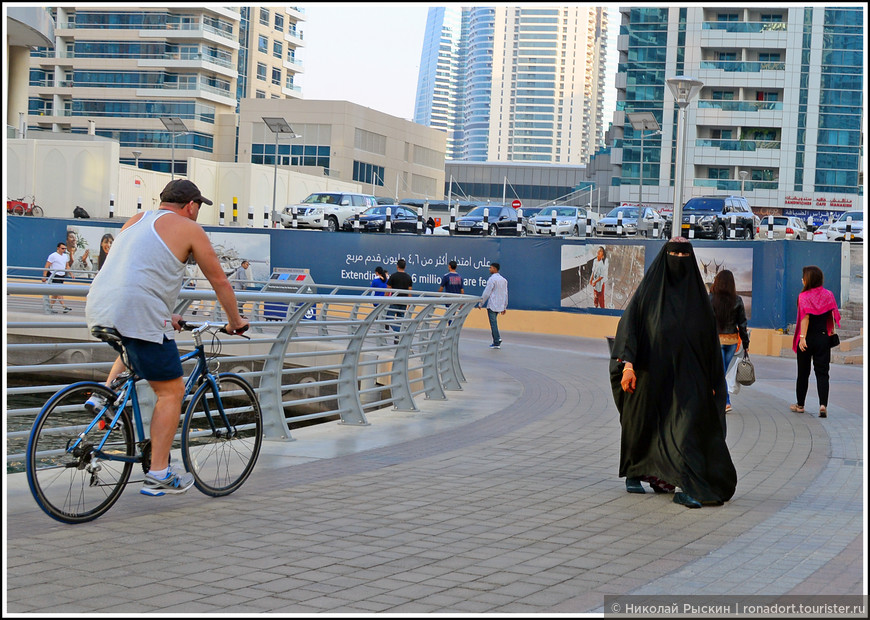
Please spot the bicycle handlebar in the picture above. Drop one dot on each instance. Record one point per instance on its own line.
(201, 327)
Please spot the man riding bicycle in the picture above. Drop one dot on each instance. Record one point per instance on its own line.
(135, 293)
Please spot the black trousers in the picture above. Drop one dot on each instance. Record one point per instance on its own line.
(817, 356)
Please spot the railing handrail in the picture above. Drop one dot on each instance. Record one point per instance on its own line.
(333, 353)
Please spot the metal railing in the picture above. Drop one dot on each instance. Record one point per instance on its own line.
(321, 354)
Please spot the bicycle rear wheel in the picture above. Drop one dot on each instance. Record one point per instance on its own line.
(67, 477)
(17, 210)
(221, 455)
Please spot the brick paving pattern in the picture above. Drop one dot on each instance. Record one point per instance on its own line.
(501, 499)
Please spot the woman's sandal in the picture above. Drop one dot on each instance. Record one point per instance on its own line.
(823, 412)
(796, 408)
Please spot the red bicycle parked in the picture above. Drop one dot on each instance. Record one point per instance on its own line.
(20, 206)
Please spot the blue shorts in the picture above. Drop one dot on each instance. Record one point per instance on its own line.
(152, 361)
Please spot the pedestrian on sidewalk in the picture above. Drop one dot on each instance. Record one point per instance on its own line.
(668, 382)
(404, 282)
(817, 312)
(56, 272)
(730, 316)
(495, 300)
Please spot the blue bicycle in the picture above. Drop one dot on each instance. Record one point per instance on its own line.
(79, 459)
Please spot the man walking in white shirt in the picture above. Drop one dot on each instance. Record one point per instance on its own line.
(495, 299)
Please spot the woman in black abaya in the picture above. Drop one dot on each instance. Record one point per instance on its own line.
(669, 385)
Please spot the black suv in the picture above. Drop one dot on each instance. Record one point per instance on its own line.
(714, 214)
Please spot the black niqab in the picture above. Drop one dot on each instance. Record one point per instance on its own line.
(673, 425)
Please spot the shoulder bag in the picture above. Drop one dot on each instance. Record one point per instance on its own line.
(745, 370)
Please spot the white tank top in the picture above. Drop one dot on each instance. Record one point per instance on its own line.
(137, 288)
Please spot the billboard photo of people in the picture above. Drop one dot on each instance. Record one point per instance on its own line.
(600, 276)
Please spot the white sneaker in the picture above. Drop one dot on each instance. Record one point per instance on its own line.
(173, 484)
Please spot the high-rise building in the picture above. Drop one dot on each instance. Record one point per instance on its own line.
(116, 73)
(778, 117)
(515, 83)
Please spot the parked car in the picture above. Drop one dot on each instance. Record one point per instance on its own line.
(529, 214)
(821, 232)
(326, 210)
(636, 221)
(784, 227)
(570, 221)
(501, 221)
(713, 215)
(374, 219)
(837, 230)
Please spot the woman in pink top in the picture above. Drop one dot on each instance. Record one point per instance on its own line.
(817, 312)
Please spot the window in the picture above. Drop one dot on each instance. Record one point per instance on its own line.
(279, 22)
(261, 71)
(263, 44)
(726, 55)
(723, 95)
(727, 17)
(766, 17)
(721, 134)
(276, 76)
(264, 16)
(260, 94)
(769, 57)
(717, 173)
(277, 49)
(766, 95)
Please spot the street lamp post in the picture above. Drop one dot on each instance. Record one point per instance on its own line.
(175, 126)
(277, 125)
(684, 89)
(136, 155)
(643, 122)
(743, 174)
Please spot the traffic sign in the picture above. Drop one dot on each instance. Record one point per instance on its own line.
(516, 204)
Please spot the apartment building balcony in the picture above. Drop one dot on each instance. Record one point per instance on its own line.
(196, 61)
(733, 186)
(740, 34)
(203, 91)
(294, 37)
(295, 65)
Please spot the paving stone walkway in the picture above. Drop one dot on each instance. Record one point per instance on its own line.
(502, 499)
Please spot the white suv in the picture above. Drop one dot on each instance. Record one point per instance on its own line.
(327, 210)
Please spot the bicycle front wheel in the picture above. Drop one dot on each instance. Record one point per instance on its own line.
(220, 450)
(70, 470)
(36, 211)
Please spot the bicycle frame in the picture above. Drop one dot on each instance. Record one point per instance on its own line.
(128, 394)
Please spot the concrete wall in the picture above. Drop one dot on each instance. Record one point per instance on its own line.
(66, 173)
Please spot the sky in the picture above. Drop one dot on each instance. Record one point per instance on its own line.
(369, 54)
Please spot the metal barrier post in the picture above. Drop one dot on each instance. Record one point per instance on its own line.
(452, 228)
(519, 222)
(619, 223)
(553, 223)
(111, 205)
(250, 216)
(419, 221)
(222, 221)
(293, 212)
(265, 216)
(733, 232)
(770, 227)
(485, 222)
(691, 227)
(235, 210)
(139, 204)
(388, 227)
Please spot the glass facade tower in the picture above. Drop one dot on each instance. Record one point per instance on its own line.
(782, 101)
(527, 82)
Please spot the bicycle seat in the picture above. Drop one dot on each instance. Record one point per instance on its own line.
(106, 334)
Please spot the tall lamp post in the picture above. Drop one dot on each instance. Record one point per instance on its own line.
(643, 122)
(743, 174)
(277, 125)
(684, 89)
(174, 126)
(136, 154)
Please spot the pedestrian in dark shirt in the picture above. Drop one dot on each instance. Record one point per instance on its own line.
(452, 282)
(403, 282)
